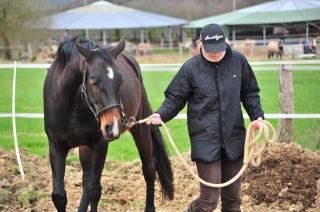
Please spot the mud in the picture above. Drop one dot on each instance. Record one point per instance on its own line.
(287, 180)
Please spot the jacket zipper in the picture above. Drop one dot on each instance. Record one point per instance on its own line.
(220, 109)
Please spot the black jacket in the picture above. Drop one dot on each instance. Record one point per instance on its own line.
(214, 92)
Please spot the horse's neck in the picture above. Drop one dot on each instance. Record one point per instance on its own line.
(68, 87)
(133, 63)
(70, 80)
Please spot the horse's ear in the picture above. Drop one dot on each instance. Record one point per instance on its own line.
(83, 51)
(115, 51)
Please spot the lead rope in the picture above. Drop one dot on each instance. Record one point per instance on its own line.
(252, 150)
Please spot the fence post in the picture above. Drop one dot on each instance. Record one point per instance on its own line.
(30, 55)
(285, 127)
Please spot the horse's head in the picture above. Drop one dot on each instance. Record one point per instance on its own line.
(101, 87)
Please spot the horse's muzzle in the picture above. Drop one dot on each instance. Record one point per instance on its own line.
(110, 123)
(111, 132)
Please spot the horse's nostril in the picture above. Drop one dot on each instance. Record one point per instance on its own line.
(108, 129)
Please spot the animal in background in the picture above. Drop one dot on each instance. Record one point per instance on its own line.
(275, 48)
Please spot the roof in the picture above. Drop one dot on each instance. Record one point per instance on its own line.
(279, 11)
(105, 15)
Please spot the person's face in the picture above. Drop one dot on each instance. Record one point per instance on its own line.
(213, 56)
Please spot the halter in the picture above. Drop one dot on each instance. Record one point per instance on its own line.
(96, 114)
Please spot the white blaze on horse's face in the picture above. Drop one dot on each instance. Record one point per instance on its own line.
(110, 72)
(115, 127)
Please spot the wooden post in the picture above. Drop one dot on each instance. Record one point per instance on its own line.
(30, 55)
(104, 37)
(170, 38)
(285, 128)
(141, 36)
(161, 39)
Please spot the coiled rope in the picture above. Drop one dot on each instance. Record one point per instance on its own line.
(252, 149)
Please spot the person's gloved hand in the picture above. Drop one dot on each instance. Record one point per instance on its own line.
(255, 125)
(155, 119)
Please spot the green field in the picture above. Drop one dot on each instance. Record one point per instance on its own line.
(31, 135)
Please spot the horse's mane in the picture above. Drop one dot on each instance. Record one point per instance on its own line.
(68, 54)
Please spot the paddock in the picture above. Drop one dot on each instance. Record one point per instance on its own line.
(260, 190)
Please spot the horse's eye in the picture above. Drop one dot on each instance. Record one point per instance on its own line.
(93, 80)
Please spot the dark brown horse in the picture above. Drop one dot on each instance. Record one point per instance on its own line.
(88, 94)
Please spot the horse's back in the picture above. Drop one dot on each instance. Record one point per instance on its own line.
(133, 62)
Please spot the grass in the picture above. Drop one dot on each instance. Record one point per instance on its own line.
(28, 197)
(31, 135)
(29, 90)
(4, 196)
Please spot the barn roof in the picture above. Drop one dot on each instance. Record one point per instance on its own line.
(273, 12)
(105, 15)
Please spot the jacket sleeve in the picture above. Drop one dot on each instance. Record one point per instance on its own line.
(250, 92)
(176, 95)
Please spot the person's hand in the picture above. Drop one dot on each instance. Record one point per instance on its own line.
(155, 119)
(255, 125)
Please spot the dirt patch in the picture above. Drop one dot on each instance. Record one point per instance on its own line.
(16, 194)
(287, 180)
(287, 177)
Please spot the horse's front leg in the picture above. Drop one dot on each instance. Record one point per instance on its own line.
(143, 140)
(92, 161)
(58, 156)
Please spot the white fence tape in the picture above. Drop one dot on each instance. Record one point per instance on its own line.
(257, 66)
(184, 116)
(22, 115)
(273, 116)
(14, 128)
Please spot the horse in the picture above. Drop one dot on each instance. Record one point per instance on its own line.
(274, 48)
(89, 93)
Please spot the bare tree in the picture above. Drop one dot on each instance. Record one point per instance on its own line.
(17, 22)
(189, 9)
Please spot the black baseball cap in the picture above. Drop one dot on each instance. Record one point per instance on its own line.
(212, 38)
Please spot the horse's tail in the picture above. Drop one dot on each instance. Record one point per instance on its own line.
(162, 163)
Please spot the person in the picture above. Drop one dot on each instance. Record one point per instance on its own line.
(195, 47)
(213, 84)
(280, 48)
(314, 45)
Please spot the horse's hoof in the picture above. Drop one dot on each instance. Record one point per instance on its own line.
(150, 209)
(186, 210)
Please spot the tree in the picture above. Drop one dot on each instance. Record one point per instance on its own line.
(17, 22)
(188, 9)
